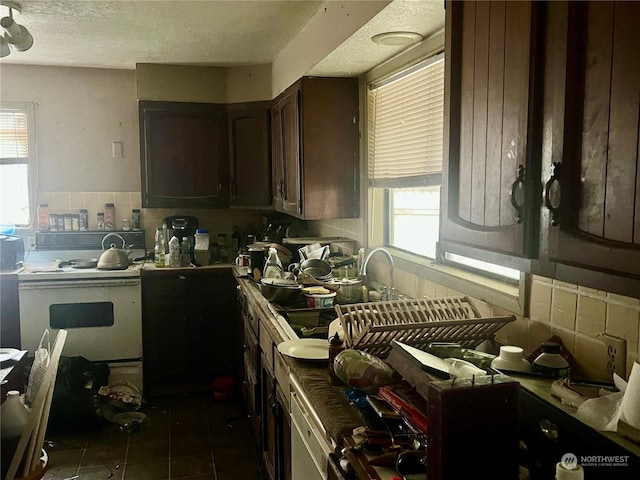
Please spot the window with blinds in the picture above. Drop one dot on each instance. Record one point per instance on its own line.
(16, 164)
(405, 127)
(405, 122)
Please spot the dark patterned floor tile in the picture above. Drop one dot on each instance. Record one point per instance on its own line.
(150, 470)
(185, 467)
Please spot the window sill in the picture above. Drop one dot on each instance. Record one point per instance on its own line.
(494, 292)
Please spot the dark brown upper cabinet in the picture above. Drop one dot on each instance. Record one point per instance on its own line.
(315, 145)
(249, 154)
(183, 154)
(491, 185)
(592, 107)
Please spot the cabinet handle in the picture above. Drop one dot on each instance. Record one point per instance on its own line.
(245, 347)
(219, 189)
(553, 192)
(517, 194)
(549, 429)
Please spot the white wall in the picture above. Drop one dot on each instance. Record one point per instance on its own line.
(79, 113)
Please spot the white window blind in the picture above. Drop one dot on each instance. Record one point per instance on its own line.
(14, 135)
(405, 122)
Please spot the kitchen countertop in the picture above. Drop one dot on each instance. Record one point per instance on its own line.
(329, 402)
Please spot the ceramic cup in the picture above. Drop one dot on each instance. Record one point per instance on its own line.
(243, 260)
(511, 358)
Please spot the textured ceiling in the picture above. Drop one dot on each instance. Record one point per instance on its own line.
(119, 34)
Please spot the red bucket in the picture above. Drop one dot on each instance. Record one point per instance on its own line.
(223, 388)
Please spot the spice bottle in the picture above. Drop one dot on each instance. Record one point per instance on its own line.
(84, 219)
(43, 217)
(109, 216)
(135, 219)
(336, 345)
(100, 221)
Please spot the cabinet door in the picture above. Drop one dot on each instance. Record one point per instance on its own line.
(594, 76)
(290, 118)
(249, 155)
(489, 190)
(183, 154)
(269, 405)
(277, 169)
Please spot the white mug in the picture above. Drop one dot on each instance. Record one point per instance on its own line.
(243, 260)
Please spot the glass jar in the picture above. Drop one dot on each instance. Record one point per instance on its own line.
(109, 216)
(68, 226)
(75, 222)
(100, 221)
(43, 217)
(84, 219)
(53, 222)
(126, 224)
(135, 219)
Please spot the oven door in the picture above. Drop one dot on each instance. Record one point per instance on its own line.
(103, 317)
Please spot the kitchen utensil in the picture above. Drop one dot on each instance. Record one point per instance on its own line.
(80, 263)
(114, 258)
(282, 293)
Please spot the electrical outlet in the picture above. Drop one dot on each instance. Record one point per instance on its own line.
(616, 350)
(31, 241)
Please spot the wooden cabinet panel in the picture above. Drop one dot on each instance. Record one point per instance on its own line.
(490, 75)
(593, 75)
(9, 311)
(316, 149)
(189, 335)
(249, 154)
(183, 154)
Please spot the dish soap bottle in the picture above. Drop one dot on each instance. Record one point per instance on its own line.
(273, 267)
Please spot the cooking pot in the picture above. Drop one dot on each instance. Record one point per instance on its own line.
(349, 289)
(114, 258)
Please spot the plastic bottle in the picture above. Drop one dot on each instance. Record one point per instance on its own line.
(202, 239)
(159, 248)
(174, 252)
(336, 345)
(550, 362)
(273, 267)
(185, 253)
(14, 415)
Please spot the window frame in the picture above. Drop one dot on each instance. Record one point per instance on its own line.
(31, 162)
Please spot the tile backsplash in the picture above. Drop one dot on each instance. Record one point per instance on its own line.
(216, 221)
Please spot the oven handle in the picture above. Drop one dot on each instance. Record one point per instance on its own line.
(79, 284)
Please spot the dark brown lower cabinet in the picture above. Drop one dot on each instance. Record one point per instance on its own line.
(189, 330)
(269, 407)
(9, 311)
(251, 384)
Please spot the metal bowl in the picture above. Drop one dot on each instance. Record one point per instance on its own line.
(282, 294)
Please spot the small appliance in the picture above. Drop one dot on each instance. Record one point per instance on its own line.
(11, 251)
(180, 226)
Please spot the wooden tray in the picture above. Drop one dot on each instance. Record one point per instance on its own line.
(372, 326)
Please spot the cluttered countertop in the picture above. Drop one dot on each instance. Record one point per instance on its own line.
(340, 418)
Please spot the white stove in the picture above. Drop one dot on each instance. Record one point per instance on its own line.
(100, 309)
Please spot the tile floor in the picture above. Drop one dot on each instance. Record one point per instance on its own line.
(186, 437)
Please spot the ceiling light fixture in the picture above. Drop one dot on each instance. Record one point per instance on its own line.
(16, 37)
(397, 38)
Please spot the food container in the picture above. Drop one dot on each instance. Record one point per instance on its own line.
(320, 300)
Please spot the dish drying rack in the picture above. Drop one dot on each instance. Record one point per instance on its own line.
(417, 322)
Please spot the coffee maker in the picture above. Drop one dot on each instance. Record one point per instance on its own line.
(180, 226)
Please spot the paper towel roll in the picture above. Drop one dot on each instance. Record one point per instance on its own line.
(631, 399)
(566, 474)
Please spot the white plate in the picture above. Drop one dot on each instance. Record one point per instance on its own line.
(8, 354)
(306, 349)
